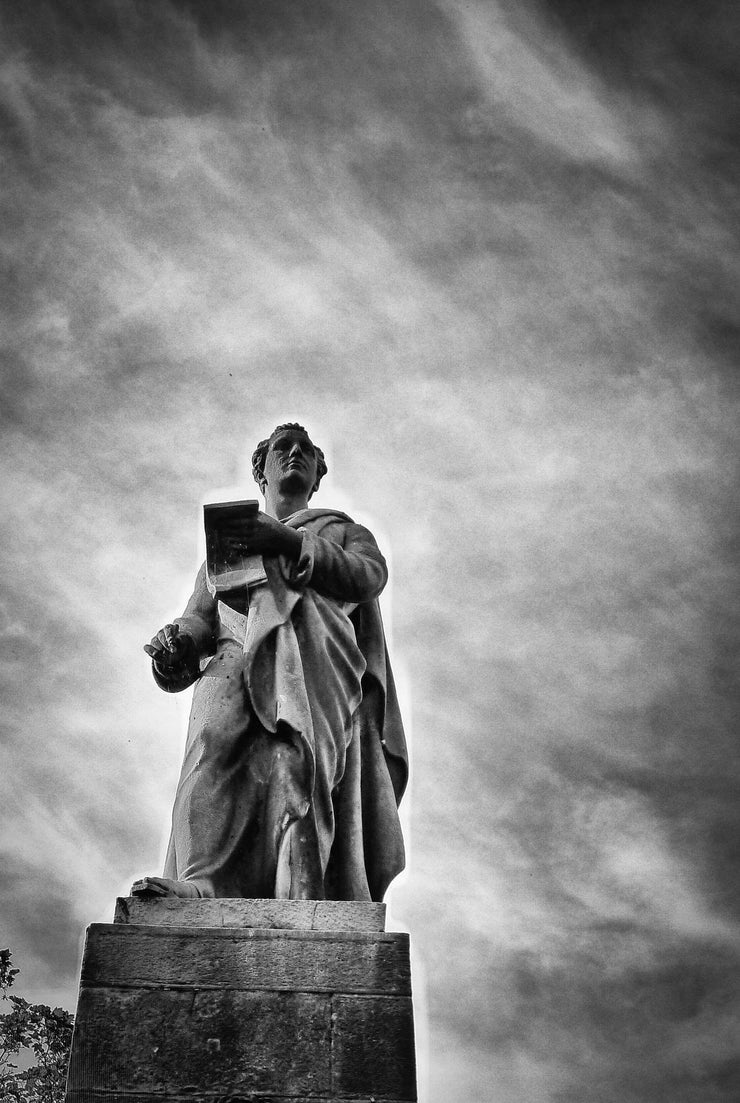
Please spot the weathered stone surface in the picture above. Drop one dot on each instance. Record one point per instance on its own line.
(154, 1040)
(88, 1096)
(207, 1014)
(373, 1045)
(299, 915)
(248, 958)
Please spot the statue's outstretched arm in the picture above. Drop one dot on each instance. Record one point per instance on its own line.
(177, 648)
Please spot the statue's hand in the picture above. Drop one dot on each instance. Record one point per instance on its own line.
(169, 647)
(262, 535)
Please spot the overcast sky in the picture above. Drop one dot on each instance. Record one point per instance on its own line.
(486, 252)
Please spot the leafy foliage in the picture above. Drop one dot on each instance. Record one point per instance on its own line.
(35, 1031)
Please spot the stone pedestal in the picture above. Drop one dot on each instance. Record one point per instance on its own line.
(237, 1000)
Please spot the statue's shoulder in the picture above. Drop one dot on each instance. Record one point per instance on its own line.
(317, 519)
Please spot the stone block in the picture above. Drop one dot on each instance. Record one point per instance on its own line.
(250, 958)
(155, 1040)
(298, 915)
(372, 1038)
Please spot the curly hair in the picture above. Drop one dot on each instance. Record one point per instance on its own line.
(260, 454)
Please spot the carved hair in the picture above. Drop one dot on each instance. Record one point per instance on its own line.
(260, 455)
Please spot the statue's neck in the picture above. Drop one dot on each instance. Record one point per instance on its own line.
(281, 506)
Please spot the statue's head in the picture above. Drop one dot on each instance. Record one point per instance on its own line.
(283, 437)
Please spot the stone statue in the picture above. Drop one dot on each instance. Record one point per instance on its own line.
(295, 758)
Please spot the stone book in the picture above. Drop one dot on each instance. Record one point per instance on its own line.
(230, 575)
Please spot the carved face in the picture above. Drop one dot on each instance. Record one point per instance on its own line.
(290, 463)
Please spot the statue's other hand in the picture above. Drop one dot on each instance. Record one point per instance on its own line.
(169, 647)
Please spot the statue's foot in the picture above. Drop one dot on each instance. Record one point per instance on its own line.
(164, 886)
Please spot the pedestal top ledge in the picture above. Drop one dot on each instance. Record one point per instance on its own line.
(292, 915)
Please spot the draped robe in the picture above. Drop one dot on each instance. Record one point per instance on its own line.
(295, 759)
